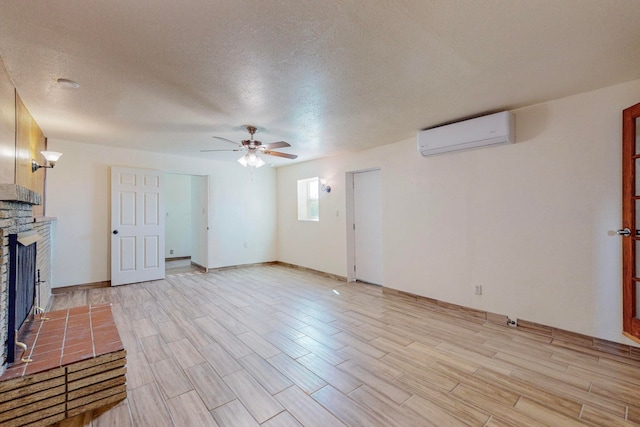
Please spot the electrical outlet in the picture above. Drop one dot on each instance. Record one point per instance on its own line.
(478, 289)
(170, 251)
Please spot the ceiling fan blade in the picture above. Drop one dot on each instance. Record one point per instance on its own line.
(279, 154)
(230, 149)
(279, 144)
(226, 140)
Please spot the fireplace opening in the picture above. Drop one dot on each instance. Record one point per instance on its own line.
(22, 287)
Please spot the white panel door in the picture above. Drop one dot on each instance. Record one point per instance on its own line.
(367, 211)
(137, 225)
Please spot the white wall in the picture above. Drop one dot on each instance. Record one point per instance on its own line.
(178, 217)
(240, 209)
(529, 222)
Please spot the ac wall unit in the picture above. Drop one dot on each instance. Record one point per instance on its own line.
(494, 129)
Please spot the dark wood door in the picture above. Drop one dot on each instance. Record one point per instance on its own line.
(630, 220)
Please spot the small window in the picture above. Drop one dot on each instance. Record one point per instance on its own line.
(308, 203)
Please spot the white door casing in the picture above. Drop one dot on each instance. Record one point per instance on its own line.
(367, 213)
(137, 225)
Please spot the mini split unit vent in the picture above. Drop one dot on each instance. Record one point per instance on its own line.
(494, 129)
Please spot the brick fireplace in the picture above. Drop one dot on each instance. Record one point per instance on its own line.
(75, 360)
(16, 216)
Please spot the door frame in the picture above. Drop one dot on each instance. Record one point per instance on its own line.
(350, 221)
(205, 194)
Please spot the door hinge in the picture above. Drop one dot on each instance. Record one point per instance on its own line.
(354, 226)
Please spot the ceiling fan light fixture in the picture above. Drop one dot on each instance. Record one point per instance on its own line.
(252, 148)
(251, 159)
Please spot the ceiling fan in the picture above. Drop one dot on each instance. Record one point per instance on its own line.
(252, 148)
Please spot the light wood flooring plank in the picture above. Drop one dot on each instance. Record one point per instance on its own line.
(497, 392)
(378, 367)
(432, 352)
(113, 415)
(297, 373)
(284, 329)
(495, 422)
(543, 369)
(130, 341)
(443, 399)
(265, 373)
(169, 331)
(219, 359)
(350, 412)
(504, 413)
(232, 325)
(148, 407)
(139, 372)
(352, 341)
(393, 392)
(185, 353)
(322, 337)
(234, 414)
(285, 344)
(144, 327)
(556, 402)
(339, 379)
(188, 410)
(602, 418)
(170, 378)
(633, 414)
(321, 350)
(283, 419)
(253, 396)
(154, 348)
(566, 389)
(543, 414)
(258, 344)
(226, 339)
(387, 410)
(306, 410)
(430, 411)
(211, 388)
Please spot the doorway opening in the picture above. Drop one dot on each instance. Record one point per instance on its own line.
(364, 226)
(186, 223)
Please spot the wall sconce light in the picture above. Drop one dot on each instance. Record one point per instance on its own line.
(50, 157)
(324, 187)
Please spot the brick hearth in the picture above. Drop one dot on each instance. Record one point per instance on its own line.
(78, 364)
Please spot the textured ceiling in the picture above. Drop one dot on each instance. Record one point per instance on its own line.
(326, 76)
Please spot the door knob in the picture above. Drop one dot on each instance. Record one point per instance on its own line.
(625, 232)
(116, 232)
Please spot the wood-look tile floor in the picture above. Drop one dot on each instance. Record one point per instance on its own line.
(181, 266)
(274, 346)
